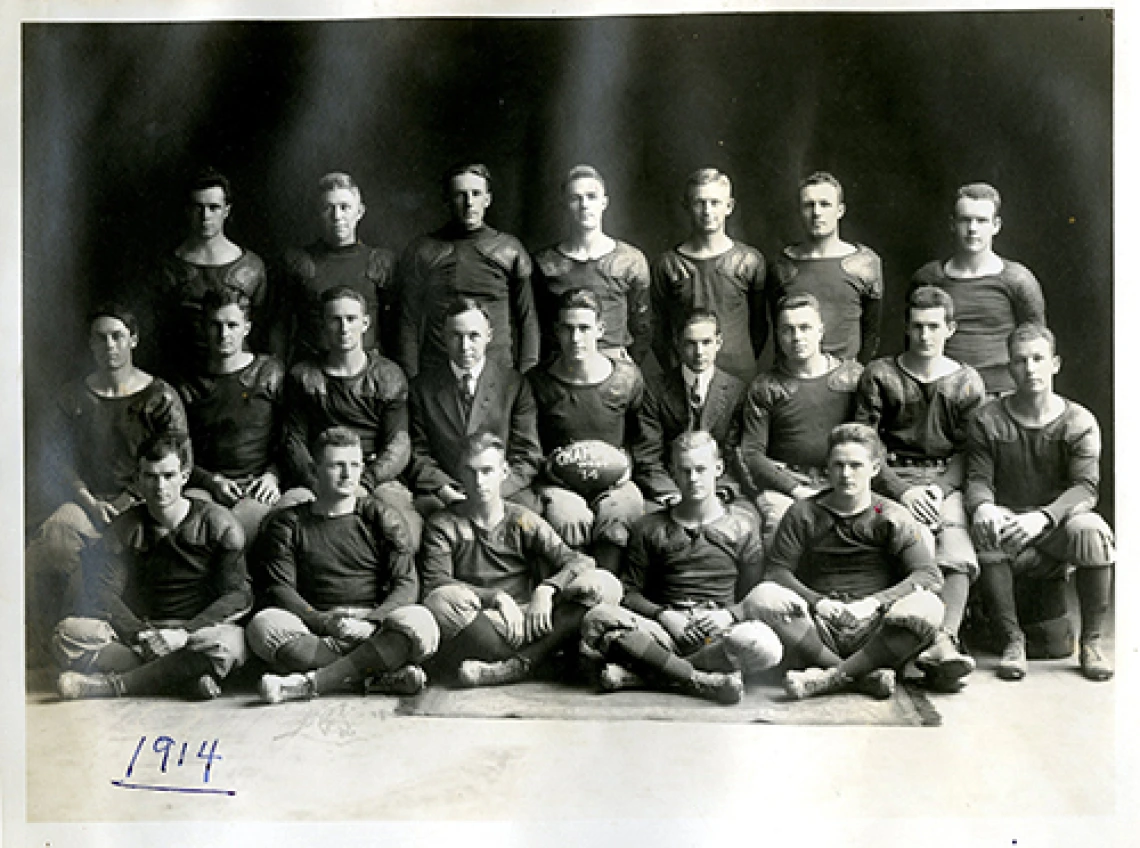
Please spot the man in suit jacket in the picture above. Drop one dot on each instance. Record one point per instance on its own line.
(696, 395)
(470, 394)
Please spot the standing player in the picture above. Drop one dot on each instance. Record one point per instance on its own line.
(789, 412)
(205, 260)
(852, 580)
(466, 258)
(687, 618)
(337, 258)
(697, 395)
(991, 295)
(846, 278)
(920, 403)
(506, 591)
(337, 581)
(168, 584)
(1032, 480)
(711, 271)
(589, 259)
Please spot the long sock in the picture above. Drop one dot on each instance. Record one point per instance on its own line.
(383, 651)
(479, 640)
(997, 589)
(640, 653)
(802, 639)
(304, 653)
(711, 658)
(166, 674)
(566, 623)
(116, 657)
(955, 593)
(888, 648)
(1094, 591)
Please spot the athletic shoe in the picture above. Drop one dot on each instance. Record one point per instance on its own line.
(814, 681)
(944, 660)
(408, 680)
(879, 684)
(614, 678)
(206, 688)
(274, 688)
(72, 685)
(1094, 665)
(717, 686)
(1013, 665)
(477, 673)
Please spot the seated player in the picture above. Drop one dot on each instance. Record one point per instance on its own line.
(354, 388)
(469, 259)
(168, 584)
(588, 258)
(697, 395)
(234, 407)
(920, 403)
(472, 394)
(846, 278)
(687, 618)
(205, 260)
(1032, 479)
(711, 271)
(337, 258)
(506, 591)
(99, 424)
(850, 582)
(337, 581)
(789, 412)
(585, 398)
(991, 295)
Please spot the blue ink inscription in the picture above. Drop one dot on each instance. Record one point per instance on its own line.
(162, 747)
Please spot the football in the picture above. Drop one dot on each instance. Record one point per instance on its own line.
(589, 468)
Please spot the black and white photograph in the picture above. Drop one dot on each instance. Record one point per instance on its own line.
(582, 423)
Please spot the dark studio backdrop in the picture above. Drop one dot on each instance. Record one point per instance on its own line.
(901, 107)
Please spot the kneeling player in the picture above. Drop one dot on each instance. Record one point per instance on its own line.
(506, 591)
(168, 584)
(852, 582)
(687, 619)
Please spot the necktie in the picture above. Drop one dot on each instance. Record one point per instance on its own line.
(695, 404)
(467, 394)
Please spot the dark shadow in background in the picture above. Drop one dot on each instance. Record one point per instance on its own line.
(903, 108)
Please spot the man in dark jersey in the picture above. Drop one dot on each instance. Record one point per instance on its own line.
(337, 258)
(167, 585)
(472, 394)
(849, 581)
(921, 403)
(205, 260)
(354, 388)
(687, 619)
(711, 271)
(506, 590)
(789, 412)
(991, 295)
(584, 395)
(336, 580)
(846, 278)
(236, 417)
(697, 395)
(466, 258)
(588, 258)
(98, 426)
(1032, 479)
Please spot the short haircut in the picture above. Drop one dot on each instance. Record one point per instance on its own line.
(463, 304)
(823, 178)
(454, 171)
(479, 442)
(858, 434)
(337, 179)
(216, 299)
(1031, 331)
(797, 301)
(583, 172)
(699, 315)
(209, 177)
(930, 297)
(112, 309)
(980, 191)
(694, 440)
(343, 293)
(704, 176)
(174, 443)
(580, 299)
(334, 437)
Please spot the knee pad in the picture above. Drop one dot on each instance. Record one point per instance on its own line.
(767, 599)
(1049, 640)
(454, 607)
(593, 587)
(752, 646)
(1090, 541)
(76, 641)
(919, 612)
(418, 625)
(598, 623)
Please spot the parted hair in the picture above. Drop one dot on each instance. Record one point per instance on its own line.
(980, 191)
(454, 171)
(694, 440)
(343, 293)
(797, 301)
(704, 176)
(334, 437)
(219, 298)
(113, 309)
(823, 178)
(1031, 331)
(580, 299)
(931, 297)
(697, 315)
(209, 177)
(859, 434)
(481, 441)
(175, 443)
(462, 304)
(338, 179)
(583, 172)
